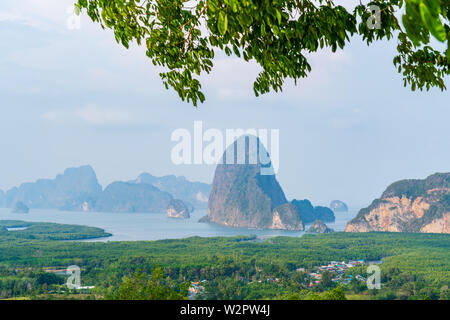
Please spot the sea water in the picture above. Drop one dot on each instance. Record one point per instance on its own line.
(155, 226)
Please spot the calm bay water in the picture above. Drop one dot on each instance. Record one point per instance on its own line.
(154, 226)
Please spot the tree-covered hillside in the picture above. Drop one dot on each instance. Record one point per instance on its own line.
(414, 266)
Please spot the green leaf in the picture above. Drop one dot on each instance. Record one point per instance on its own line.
(433, 6)
(433, 23)
(447, 52)
(278, 16)
(223, 23)
(233, 5)
(263, 28)
(77, 9)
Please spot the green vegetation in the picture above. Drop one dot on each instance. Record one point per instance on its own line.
(48, 231)
(415, 266)
(153, 287)
(413, 188)
(334, 294)
(184, 37)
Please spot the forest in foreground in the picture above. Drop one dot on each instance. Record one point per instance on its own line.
(34, 257)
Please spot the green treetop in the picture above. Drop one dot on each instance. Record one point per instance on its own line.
(183, 36)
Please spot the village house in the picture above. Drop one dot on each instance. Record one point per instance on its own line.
(339, 268)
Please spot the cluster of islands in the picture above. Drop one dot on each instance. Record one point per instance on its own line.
(321, 264)
(240, 196)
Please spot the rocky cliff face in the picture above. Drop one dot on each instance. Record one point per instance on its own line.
(131, 197)
(319, 227)
(409, 206)
(286, 217)
(309, 213)
(241, 196)
(178, 209)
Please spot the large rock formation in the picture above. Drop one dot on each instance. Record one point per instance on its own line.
(178, 209)
(309, 214)
(75, 183)
(245, 191)
(191, 193)
(408, 206)
(338, 206)
(20, 207)
(132, 197)
(319, 227)
(286, 217)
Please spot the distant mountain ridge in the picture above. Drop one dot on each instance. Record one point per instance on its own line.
(241, 197)
(193, 193)
(408, 206)
(54, 193)
(132, 197)
(77, 189)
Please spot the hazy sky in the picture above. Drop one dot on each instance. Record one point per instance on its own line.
(74, 97)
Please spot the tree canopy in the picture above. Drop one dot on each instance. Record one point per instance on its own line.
(184, 36)
(153, 287)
